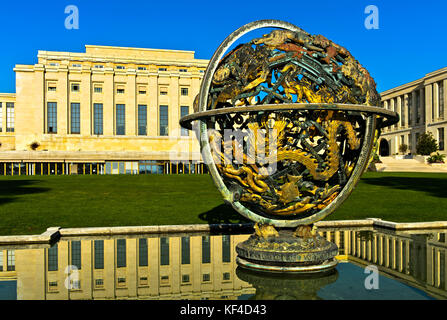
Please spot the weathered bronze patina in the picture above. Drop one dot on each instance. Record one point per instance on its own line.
(312, 111)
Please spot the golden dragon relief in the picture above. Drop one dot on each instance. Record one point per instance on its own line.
(294, 195)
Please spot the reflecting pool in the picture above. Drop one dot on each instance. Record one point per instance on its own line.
(411, 265)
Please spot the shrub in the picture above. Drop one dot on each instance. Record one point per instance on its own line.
(436, 158)
(376, 158)
(34, 145)
(426, 144)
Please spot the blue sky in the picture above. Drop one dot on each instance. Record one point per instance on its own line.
(409, 43)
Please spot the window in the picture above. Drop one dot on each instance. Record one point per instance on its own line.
(1, 117)
(164, 251)
(142, 253)
(99, 66)
(76, 254)
(142, 120)
(183, 70)
(184, 91)
(120, 253)
(418, 104)
(120, 119)
(120, 90)
(120, 67)
(184, 111)
(201, 71)
(1, 260)
(164, 121)
(52, 258)
(75, 118)
(76, 65)
(97, 118)
(9, 117)
(409, 107)
(52, 88)
(226, 248)
(142, 90)
(75, 87)
(206, 277)
(99, 254)
(51, 117)
(163, 92)
(186, 251)
(11, 264)
(441, 138)
(206, 249)
(185, 278)
(141, 68)
(54, 64)
(97, 89)
(99, 282)
(226, 276)
(162, 69)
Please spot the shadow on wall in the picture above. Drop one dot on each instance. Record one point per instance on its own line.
(436, 187)
(11, 189)
(222, 214)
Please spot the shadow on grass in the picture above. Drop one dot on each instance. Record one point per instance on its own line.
(222, 214)
(10, 189)
(436, 187)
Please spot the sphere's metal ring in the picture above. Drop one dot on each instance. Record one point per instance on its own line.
(370, 129)
(391, 117)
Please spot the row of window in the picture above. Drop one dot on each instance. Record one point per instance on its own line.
(118, 67)
(9, 117)
(143, 254)
(441, 139)
(10, 261)
(97, 88)
(405, 111)
(109, 167)
(120, 119)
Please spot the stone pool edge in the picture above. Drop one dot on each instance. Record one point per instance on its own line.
(54, 233)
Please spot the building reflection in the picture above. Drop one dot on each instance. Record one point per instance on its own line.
(415, 259)
(200, 266)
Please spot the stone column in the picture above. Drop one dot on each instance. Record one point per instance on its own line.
(86, 102)
(152, 107)
(108, 103)
(435, 101)
(400, 111)
(444, 86)
(174, 108)
(131, 113)
(428, 104)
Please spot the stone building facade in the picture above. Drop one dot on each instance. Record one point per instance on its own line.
(421, 107)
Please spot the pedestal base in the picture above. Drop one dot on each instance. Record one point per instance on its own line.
(287, 254)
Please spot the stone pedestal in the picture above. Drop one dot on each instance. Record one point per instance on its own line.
(287, 253)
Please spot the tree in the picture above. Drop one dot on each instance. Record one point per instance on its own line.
(426, 144)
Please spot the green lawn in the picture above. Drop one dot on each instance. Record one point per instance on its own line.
(30, 204)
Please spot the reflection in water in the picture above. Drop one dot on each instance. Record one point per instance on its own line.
(270, 286)
(200, 266)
